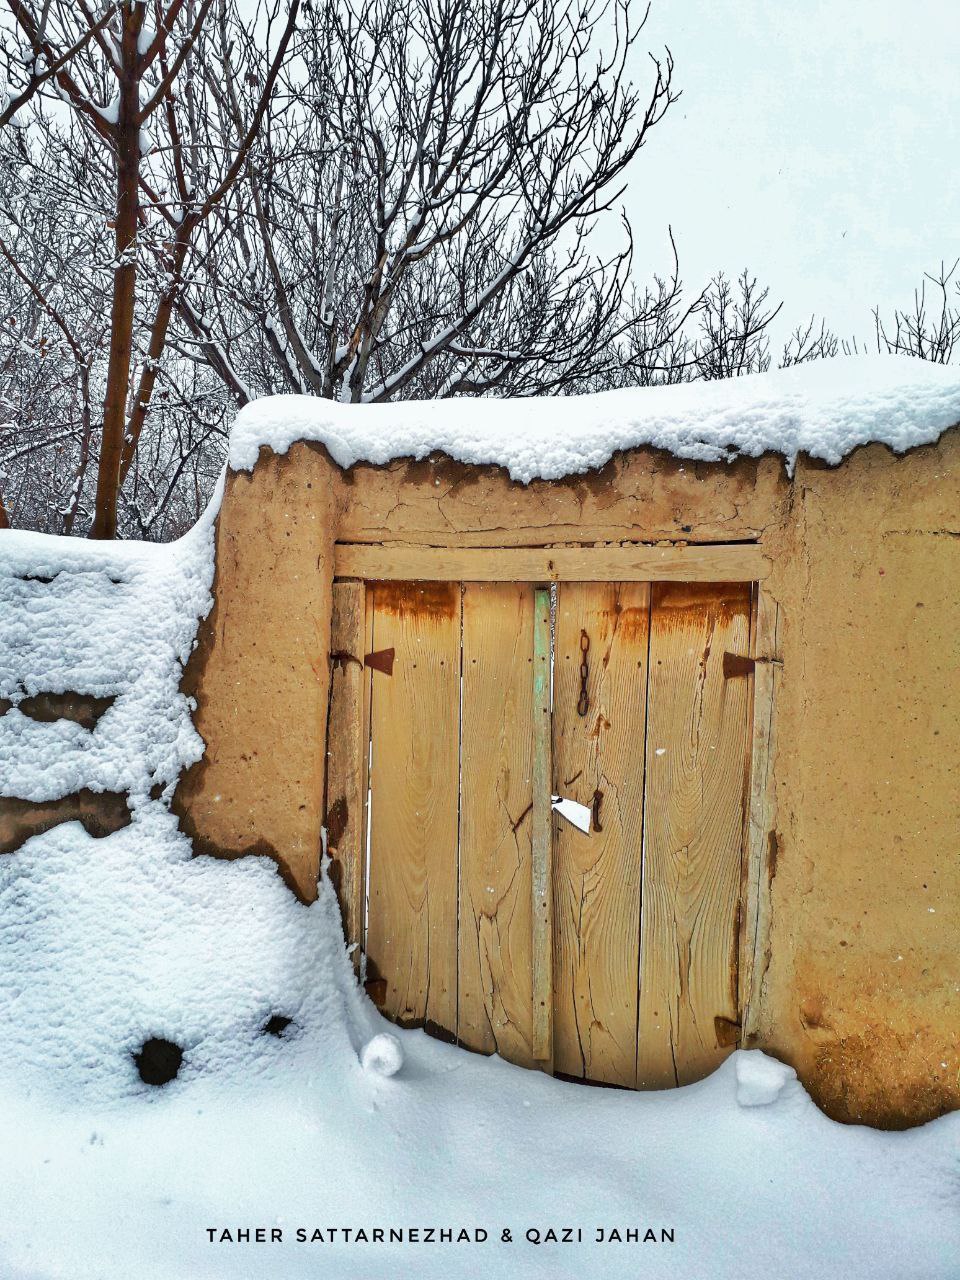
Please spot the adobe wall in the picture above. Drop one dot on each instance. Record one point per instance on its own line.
(860, 993)
(863, 990)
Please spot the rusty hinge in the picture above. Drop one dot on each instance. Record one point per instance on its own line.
(727, 1032)
(737, 664)
(340, 658)
(376, 989)
(381, 660)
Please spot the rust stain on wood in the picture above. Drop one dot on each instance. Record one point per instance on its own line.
(676, 600)
(630, 622)
(438, 601)
(601, 724)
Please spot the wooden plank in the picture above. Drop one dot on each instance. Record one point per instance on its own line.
(741, 562)
(415, 725)
(348, 735)
(597, 876)
(542, 832)
(367, 718)
(697, 735)
(495, 1012)
(761, 857)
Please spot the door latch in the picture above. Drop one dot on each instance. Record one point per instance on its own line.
(578, 814)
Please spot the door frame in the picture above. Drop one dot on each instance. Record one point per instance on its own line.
(356, 564)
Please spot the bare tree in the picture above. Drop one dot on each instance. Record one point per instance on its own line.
(362, 199)
(931, 330)
(734, 319)
(25, 66)
(52, 340)
(127, 84)
(415, 217)
(811, 341)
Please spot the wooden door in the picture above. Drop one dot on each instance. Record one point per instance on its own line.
(694, 821)
(649, 728)
(495, 1006)
(411, 940)
(598, 760)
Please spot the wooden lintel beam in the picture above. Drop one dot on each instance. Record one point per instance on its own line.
(732, 562)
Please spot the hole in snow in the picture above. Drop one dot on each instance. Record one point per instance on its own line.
(276, 1025)
(158, 1061)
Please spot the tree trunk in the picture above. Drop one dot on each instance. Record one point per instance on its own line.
(155, 348)
(127, 143)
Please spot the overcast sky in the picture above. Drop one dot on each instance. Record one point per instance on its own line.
(817, 142)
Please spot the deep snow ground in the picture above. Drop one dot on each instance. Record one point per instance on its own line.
(106, 942)
(101, 1176)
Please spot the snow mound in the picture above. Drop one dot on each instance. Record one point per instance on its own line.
(824, 409)
(382, 1056)
(761, 1080)
(107, 943)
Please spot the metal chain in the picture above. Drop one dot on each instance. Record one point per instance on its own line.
(583, 702)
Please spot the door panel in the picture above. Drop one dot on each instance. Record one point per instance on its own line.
(495, 1002)
(597, 876)
(415, 735)
(639, 934)
(694, 818)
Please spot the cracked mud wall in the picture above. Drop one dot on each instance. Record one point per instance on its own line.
(862, 990)
(260, 672)
(862, 994)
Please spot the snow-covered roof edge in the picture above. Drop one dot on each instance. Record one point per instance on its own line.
(825, 410)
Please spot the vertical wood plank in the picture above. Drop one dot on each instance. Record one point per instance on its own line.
(348, 735)
(495, 1012)
(542, 831)
(760, 862)
(597, 876)
(415, 726)
(697, 736)
(365, 774)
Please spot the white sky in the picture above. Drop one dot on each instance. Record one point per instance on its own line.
(817, 142)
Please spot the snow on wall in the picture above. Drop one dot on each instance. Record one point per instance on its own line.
(107, 942)
(824, 409)
(104, 619)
